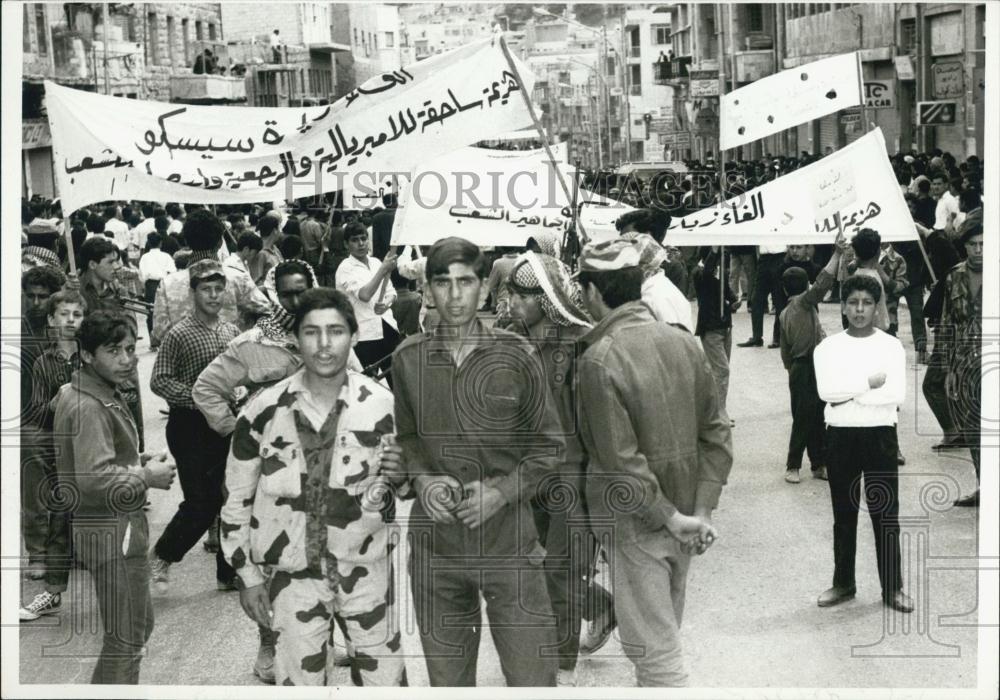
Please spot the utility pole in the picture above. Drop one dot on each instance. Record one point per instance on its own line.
(626, 92)
(107, 35)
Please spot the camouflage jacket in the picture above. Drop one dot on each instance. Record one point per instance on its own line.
(961, 316)
(276, 502)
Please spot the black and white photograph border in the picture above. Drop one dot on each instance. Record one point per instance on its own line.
(751, 626)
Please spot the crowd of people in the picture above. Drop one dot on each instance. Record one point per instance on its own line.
(315, 375)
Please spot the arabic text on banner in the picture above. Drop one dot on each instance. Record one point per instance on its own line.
(115, 148)
(495, 198)
(789, 98)
(800, 207)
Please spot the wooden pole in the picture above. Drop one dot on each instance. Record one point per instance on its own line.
(70, 253)
(538, 125)
(722, 154)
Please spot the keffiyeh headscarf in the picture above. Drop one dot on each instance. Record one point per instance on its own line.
(277, 325)
(651, 254)
(549, 279)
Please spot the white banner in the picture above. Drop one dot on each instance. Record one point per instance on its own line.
(395, 183)
(800, 207)
(114, 148)
(789, 98)
(496, 198)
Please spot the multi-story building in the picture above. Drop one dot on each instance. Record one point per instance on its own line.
(649, 113)
(910, 52)
(431, 28)
(143, 51)
(375, 41)
(305, 71)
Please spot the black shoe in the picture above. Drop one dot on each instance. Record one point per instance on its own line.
(835, 596)
(900, 459)
(772, 346)
(952, 443)
(751, 343)
(899, 601)
(970, 501)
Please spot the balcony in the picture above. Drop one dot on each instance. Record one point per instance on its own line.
(671, 73)
(207, 89)
(634, 52)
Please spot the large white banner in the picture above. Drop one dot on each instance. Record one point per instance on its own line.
(115, 148)
(496, 198)
(857, 182)
(789, 98)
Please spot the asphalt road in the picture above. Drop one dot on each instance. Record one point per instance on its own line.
(750, 621)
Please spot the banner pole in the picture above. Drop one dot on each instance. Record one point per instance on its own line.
(70, 253)
(537, 124)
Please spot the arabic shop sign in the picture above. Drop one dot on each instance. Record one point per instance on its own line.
(880, 94)
(948, 80)
(112, 148)
(35, 134)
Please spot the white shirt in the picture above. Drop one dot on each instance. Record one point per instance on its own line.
(176, 226)
(843, 365)
(352, 275)
(666, 301)
(119, 230)
(155, 265)
(946, 206)
(275, 40)
(139, 233)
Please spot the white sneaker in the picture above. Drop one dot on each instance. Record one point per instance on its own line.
(566, 678)
(45, 603)
(159, 575)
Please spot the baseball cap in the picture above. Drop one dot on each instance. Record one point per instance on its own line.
(617, 254)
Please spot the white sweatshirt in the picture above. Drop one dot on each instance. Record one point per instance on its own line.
(843, 364)
(667, 301)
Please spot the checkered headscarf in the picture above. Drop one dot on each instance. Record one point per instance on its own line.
(549, 279)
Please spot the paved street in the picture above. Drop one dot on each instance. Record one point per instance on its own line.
(750, 619)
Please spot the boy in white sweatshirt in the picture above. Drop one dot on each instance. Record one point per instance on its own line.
(861, 374)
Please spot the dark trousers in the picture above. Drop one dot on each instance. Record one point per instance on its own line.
(201, 454)
(914, 295)
(380, 351)
(45, 517)
(808, 428)
(966, 405)
(768, 282)
(871, 452)
(935, 393)
(120, 572)
(569, 549)
(150, 287)
(446, 600)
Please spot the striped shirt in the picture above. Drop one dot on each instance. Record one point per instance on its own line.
(187, 349)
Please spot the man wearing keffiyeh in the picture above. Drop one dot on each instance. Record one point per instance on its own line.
(546, 306)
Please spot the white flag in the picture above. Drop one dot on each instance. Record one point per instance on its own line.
(115, 148)
(789, 98)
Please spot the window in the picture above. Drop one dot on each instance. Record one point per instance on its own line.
(908, 35)
(152, 39)
(635, 78)
(211, 32)
(356, 36)
(170, 39)
(185, 42)
(43, 40)
(26, 41)
(198, 34)
(390, 40)
(661, 34)
(755, 17)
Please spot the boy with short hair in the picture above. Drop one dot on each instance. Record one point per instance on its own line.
(49, 371)
(98, 456)
(861, 374)
(801, 332)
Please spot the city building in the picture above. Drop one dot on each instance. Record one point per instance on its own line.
(304, 71)
(649, 113)
(431, 28)
(126, 50)
(910, 53)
